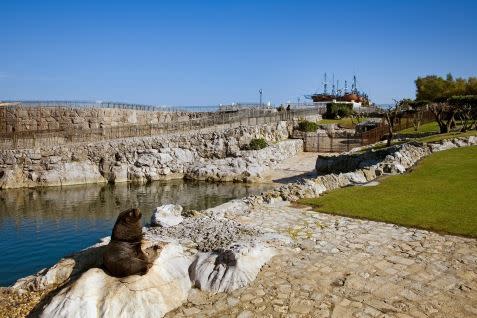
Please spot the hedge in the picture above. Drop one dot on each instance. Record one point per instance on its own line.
(335, 110)
(307, 126)
(257, 144)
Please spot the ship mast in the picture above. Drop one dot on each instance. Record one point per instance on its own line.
(354, 89)
(333, 90)
(346, 87)
(338, 92)
(325, 86)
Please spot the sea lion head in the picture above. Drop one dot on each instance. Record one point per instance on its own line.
(130, 216)
(128, 226)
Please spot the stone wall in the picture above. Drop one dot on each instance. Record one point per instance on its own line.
(351, 161)
(367, 167)
(141, 159)
(20, 119)
(25, 128)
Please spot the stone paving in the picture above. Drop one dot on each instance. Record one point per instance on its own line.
(342, 267)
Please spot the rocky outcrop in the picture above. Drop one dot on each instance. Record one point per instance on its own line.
(96, 294)
(237, 253)
(206, 233)
(210, 155)
(247, 165)
(62, 174)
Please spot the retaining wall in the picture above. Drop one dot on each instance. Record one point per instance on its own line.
(130, 159)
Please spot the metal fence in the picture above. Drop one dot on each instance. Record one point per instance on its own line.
(117, 105)
(374, 135)
(248, 117)
(346, 141)
(324, 143)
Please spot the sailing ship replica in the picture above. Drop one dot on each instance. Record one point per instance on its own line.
(338, 95)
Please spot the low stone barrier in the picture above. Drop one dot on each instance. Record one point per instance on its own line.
(351, 169)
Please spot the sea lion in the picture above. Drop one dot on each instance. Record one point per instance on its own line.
(123, 255)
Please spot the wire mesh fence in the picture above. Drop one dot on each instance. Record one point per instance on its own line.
(248, 117)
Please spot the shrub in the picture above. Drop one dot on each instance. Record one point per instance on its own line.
(335, 110)
(257, 144)
(307, 126)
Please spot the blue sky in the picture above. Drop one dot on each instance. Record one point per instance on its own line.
(210, 52)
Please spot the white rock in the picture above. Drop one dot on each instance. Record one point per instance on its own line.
(230, 208)
(183, 155)
(227, 270)
(164, 158)
(96, 294)
(167, 215)
(145, 160)
(356, 176)
(472, 140)
(400, 168)
(70, 173)
(443, 145)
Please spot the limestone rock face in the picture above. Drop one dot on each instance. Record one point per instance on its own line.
(70, 173)
(96, 294)
(167, 215)
(13, 178)
(246, 166)
(225, 270)
(210, 154)
(119, 173)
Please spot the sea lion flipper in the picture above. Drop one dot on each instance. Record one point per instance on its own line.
(137, 265)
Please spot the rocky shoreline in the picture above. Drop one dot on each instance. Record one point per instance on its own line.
(241, 236)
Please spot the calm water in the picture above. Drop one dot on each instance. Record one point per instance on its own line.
(39, 226)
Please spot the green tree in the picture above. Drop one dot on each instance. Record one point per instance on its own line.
(439, 92)
(466, 110)
(437, 89)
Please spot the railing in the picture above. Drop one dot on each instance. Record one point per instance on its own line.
(108, 104)
(249, 117)
(187, 108)
(374, 135)
(102, 104)
(346, 141)
(331, 143)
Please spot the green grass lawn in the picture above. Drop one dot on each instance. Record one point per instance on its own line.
(424, 128)
(343, 122)
(440, 194)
